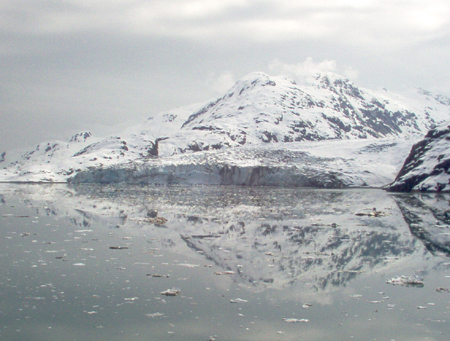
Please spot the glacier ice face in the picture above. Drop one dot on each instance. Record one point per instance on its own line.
(314, 164)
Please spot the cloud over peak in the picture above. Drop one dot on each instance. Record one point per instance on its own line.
(309, 67)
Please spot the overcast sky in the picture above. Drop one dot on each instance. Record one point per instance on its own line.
(72, 65)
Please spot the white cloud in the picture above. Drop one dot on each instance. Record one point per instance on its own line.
(427, 16)
(351, 73)
(221, 83)
(367, 22)
(309, 67)
(302, 69)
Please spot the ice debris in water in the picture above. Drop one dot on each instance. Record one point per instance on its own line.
(154, 315)
(118, 247)
(224, 273)
(171, 292)
(291, 320)
(443, 289)
(187, 265)
(406, 280)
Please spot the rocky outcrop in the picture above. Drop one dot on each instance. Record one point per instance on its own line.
(427, 167)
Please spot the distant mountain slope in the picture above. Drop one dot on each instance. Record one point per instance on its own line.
(257, 113)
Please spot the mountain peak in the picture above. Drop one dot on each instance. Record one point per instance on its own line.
(270, 109)
(80, 137)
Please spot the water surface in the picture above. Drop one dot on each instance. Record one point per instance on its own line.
(90, 263)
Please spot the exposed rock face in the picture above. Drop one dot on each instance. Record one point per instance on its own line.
(427, 167)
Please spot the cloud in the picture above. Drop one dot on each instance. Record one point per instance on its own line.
(303, 69)
(232, 19)
(351, 73)
(309, 68)
(223, 82)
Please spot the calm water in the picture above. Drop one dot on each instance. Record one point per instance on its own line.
(90, 263)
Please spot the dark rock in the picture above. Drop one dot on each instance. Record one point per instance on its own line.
(427, 167)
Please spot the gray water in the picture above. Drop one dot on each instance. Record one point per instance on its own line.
(91, 262)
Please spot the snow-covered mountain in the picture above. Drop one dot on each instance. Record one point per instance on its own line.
(427, 167)
(264, 130)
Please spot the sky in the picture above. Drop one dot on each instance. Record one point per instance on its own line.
(102, 65)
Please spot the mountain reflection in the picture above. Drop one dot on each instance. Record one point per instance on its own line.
(428, 217)
(268, 237)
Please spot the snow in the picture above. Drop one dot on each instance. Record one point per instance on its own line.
(326, 128)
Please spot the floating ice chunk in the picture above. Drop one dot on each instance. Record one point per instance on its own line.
(356, 296)
(171, 292)
(224, 273)
(406, 280)
(442, 289)
(292, 320)
(186, 265)
(154, 315)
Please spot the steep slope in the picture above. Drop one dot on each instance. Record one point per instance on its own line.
(427, 167)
